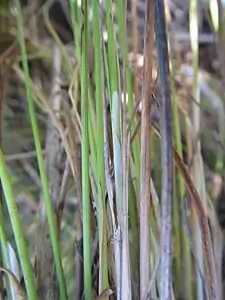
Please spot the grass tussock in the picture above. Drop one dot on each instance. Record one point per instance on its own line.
(111, 150)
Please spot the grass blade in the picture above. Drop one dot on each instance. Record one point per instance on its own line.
(17, 230)
(48, 204)
(85, 160)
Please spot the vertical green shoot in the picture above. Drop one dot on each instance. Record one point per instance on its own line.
(85, 159)
(34, 124)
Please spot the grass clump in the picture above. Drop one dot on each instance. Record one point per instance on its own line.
(122, 203)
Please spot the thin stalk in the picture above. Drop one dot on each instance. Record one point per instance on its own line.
(145, 154)
(134, 229)
(103, 259)
(3, 249)
(197, 177)
(129, 88)
(3, 241)
(85, 160)
(112, 77)
(18, 232)
(166, 151)
(117, 160)
(76, 28)
(126, 263)
(187, 281)
(34, 124)
(111, 54)
(213, 5)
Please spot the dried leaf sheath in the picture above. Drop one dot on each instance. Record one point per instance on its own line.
(204, 227)
(145, 155)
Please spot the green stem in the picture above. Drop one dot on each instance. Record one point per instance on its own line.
(46, 195)
(85, 160)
